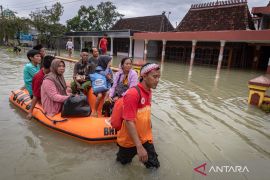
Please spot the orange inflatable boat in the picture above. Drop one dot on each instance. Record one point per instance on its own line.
(89, 129)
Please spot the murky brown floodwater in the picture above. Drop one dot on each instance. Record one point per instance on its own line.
(196, 119)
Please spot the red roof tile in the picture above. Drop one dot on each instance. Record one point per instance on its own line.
(217, 16)
(261, 81)
(261, 10)
(158, 23)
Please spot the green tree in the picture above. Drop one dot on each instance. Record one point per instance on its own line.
(91, 19)
(85, 20)
(74, 24)
(46, 21)
(107, 15)
(53, 14)
(21, 25)
(12, 26)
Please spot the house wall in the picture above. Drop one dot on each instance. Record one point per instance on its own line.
(152, 49)
(138, 48)
(121, 46)
(236, 55)
(90, 41)
(266, 22)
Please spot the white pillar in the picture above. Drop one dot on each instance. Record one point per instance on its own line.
(268, 67)
(130, 46)
(192, 56)
(145, 49)
(220, 57)
(261, 23)
(93, 42)
(163, 50)
(81, 43)
(256, 57)
(111, 53)
(73, 45)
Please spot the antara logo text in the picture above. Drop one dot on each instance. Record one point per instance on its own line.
(220, 169)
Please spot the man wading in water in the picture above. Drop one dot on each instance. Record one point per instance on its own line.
(135, 136)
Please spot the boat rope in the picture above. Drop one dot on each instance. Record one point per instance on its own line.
(53, 120)
(21, 101)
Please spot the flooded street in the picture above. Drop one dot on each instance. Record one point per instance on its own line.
(196, 119)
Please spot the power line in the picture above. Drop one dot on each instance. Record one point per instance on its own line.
(49, 6)
(19, 7)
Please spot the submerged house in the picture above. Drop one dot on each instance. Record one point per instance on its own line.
(120, 36)
(261, 17)
(220, 33)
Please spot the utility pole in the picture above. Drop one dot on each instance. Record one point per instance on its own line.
(1, 23)
(1, 7)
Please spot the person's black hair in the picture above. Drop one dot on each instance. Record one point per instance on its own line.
(38, 47)
(47, 61)
(124, 60)
(103, 61)
(85, 50)
(32, 53)
(91, 49)
(141, 78)
(105, 34)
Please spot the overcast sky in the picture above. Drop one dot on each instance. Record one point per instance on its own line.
(130, 8)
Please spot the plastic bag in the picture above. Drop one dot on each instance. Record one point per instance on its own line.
(99, 82)
(76, 106)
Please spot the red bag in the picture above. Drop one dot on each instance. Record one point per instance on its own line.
(117, 113)
(116, 117)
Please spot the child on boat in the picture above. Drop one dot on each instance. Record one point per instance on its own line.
(101, 80)
(37, 81)
(30, 69)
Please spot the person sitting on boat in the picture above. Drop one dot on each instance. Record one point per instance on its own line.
(30, 69)
(54, 89)
(80, 74)
(93, 60)
(124, 79)
(42, 52)
(101, 85)
(37, 81)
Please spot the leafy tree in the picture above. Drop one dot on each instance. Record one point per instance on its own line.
(11, 25)
(107, 15)
(21, 25)
(53, 15)
(91, 19)
(85, 20)
(46, 21)
(74, 24)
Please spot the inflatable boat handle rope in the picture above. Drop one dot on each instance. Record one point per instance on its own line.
(54, 121)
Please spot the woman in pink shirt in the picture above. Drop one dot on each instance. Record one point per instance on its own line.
(53, 89)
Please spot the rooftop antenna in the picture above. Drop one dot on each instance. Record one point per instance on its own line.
(167, 23)
(162, 21)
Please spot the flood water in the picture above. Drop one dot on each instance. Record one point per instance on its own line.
(196, 119)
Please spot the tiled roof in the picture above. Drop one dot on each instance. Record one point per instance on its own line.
(158, 23)
(261, 81)
(217, 16)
